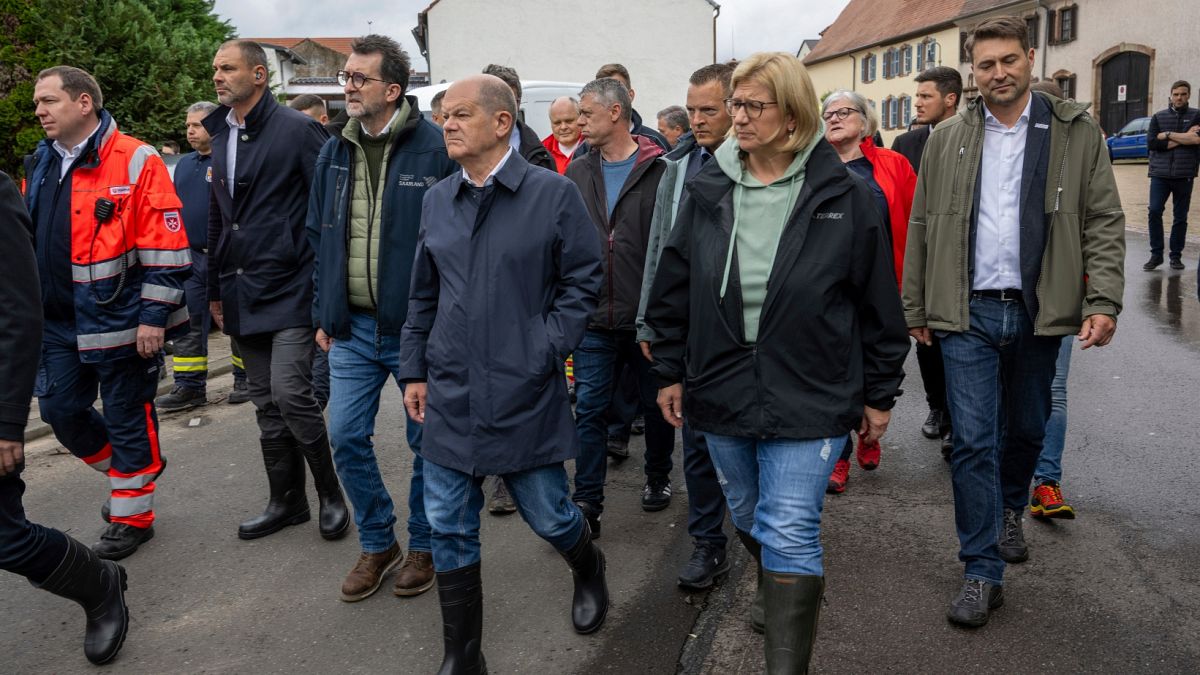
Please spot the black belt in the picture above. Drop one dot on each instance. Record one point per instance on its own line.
(1002, 294)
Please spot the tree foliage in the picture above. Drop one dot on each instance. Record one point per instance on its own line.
(152, 59)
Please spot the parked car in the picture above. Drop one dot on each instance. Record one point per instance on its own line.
(536, 97)
(1130, 141)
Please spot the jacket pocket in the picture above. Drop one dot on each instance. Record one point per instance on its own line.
(1061, 286)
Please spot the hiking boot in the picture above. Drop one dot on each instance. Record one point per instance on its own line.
(1153, 263)
(839, 477)
(868, 454)
(656, 495)
(121, 540)
(707, 565)
(368, 573)
(1012, 538)
(1048, 502)
(240, 393)
(617, 449)
(974, 603)
(1177, 264)
(180, 398)
(416, 575)
(501, 503)
(932, 428)
(592, 515)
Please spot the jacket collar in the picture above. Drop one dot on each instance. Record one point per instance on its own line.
(510, 175)
(685, 146)
(402, 130)
(97, 143)
(256, 119)
(1065, 111)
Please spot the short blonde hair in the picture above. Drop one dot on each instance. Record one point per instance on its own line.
(787, 79)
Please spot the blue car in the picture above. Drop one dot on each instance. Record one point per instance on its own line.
(1130, 141)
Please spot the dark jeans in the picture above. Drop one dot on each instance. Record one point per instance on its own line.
(26, 548)
(1180, 191)
(706, 502)
(279, 375)
(998, 376)
(626, 403)
(596, 361)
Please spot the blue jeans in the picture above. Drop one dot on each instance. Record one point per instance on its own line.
(1049, 466)
(776, 490)
(1180, 190)
(359, 368)
(596, 362)
(998, 376)
(453, 501)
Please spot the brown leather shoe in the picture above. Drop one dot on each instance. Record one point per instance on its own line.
(416, 574)
(368, 573)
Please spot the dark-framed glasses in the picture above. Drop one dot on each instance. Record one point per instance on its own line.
(359, 79)
(754, 109)
(840, 113)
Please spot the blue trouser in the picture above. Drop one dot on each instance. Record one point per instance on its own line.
(453, 500)
(26, 548)
(1049, 466)
(998, 376)
(626, 404)
(596, 362)
(189, 363)
(706, 503)
(1180, 190)
(123, 443)
(359, 369)
(776, 490)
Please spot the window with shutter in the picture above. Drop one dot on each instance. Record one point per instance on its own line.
(1031, 25)
(1067, 20)
(921, 58)
(907, 55)
(1051, 27)
(907, 111)
(872, 67)
(931, 52)
(887, 64)
(963, 57)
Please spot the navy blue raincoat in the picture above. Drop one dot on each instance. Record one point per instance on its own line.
(500, 296)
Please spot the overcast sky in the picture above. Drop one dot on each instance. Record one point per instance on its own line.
(745, 26)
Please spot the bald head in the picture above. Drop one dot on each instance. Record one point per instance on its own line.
(564, 121)
(479, 114)
(487, 91)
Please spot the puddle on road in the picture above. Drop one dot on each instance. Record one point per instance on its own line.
(1171, 300)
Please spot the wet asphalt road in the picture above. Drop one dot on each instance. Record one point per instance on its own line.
(1114, 591)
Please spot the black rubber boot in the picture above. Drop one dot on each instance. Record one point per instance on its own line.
(758, 609)
(334, 516)
(288, 505)
(793, 606)
(99, 587)
(461, 594)
(589, 605)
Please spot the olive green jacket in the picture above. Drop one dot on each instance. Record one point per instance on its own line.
(1082, 270)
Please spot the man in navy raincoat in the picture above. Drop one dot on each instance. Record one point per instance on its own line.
(507, 272)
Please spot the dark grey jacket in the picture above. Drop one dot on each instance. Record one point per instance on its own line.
(21, 317)
(1182, 161)
(501, 295)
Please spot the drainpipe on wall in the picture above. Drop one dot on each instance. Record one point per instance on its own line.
(853, 74)
(716, 13)
(1044, 28)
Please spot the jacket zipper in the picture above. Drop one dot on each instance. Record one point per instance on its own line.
(758, 390)
(612, 233)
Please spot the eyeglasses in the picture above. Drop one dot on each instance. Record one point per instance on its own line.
(754, 109)
(344, 76)
(840, 113)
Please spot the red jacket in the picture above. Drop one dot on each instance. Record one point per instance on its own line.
(144, 238)
(560, 160)
(898, 182)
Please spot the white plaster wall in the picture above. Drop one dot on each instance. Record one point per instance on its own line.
(661, 42)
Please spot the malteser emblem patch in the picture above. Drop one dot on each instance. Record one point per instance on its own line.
(172, 220)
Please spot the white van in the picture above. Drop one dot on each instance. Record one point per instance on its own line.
(536, 97)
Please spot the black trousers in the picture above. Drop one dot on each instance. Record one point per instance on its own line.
(933, 374)
(26, 548)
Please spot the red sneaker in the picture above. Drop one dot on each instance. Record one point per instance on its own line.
(839, 477)
(868, 455)
(1048, 502)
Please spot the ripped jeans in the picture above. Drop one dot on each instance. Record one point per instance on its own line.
(775, 490)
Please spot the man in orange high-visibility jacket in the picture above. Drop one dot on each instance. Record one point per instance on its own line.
(112, 257)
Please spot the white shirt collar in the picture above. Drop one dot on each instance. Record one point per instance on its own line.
(231, 120)
(72, 153)
(989, 118)
(495, 170)
(362, 127)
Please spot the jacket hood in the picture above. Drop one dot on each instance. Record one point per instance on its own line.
(729, 158)
(647, 150)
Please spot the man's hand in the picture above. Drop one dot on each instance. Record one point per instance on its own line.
(922, 335)
(414, 400)
(646, 351)
(323, 340)
(1097, 330)
(12, 453)
(217, 309)
(874, 424)
(149, 340)
(670, 402)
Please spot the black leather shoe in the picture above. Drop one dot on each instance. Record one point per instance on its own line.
(974, 603)
(460, 592)
(617, 449)
(180, 398)
(707, 565)
(656, 495)
(99, 587)
(334, 516)
(592, 515)
(1012, 538)
(947, 445)
(932, 428)
(121, 540)
(589, 605)
(240, 393)
(287, 504)
(1153, 263)
(1177, 264)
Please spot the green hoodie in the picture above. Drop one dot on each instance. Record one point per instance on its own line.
(760, 214)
